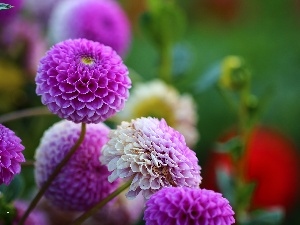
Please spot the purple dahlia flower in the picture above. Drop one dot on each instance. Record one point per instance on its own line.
(10, 155)
(151, 153)
(185, 206)
(35, 218)
(83, 81)
(83, 181)
(98, 20)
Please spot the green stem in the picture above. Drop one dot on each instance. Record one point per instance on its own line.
(28, 163)
(56, 171)
(102, 203)
(25, 113)
(165, 69)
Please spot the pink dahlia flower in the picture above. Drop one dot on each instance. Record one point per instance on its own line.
(11, 155)
(35, 218)
(98, 20)
(83, 181)
(151, 153)
(83, 81)
(185, 206)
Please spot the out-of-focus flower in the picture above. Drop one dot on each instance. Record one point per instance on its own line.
(98, 20)
(83, 81)
(35, 218)
(11, 83)
(181, 205)
(24, 42)
(40, 10)
(121, 212)
(159, 100)
(7, 15)
(83, 181)
(56, 216)
(271, 161)
(10, 154)
(152, 154)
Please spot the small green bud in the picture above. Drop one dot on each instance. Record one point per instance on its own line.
(234, 74)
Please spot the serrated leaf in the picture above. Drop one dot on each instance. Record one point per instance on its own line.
(4, 6)
(208, 79)
(13, 190)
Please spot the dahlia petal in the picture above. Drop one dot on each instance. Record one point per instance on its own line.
(84, 181)
(10, 155)
(74, 73)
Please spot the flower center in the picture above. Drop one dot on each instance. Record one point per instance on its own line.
(87, 60)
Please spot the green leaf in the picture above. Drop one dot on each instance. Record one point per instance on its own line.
(164, 23)
(225, 183)
(182, 59)
(208, 79)
(264, 217)
(13, 190)
(4, 6)
(244, 194)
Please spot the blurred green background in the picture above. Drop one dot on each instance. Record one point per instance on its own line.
(265, 33)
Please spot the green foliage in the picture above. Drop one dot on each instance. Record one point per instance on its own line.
(13, 190)
(4, 6)
(164, 23)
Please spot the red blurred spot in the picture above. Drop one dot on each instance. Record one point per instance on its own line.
(272, 162)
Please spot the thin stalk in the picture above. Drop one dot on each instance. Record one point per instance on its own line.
(100, 204)
(37, 111)
(165, 68)
(56, 171)
(28, 163)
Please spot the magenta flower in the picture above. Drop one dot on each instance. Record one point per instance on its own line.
(98, 20)
(11, 155)
(151, 153)
(35, 218)
(83, 81)
(185, 206)
(83, 181)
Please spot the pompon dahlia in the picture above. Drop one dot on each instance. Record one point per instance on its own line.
(99, 20)
(185, 206)
(11, 155)
(151, 153)
(160, 100)
(35, 218)
(83, 181)
(82, 81)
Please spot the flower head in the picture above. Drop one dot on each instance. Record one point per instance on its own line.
(184, 206)
(160, 100)
(83, 81)
(35, 218)
(10, 154)
(151, 153)
(98, 20)
(83, 181)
